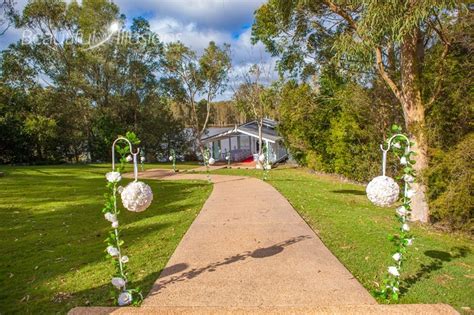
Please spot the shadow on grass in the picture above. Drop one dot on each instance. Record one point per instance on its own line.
(256, 254)
(95, 296)
(349, 192)
(439, 258)
(52, 225)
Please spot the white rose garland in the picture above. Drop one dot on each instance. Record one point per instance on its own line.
(126, 296)
(403, 239)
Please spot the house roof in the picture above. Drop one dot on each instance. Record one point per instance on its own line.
(269, 132)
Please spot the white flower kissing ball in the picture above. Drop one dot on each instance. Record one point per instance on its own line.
(383, 191)
(137, 196)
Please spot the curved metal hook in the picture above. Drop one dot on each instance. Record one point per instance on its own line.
(389, 144)
(134, 155)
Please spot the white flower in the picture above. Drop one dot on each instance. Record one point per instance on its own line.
(211, 161)
(227, 158)
(115, 224)
(118, 282)
(110, 217)
(409, 241)
(129, 158)
(124, 259)
(397, 256)
(405, 227)
(393, 271)
(119, 189)
(397, 145)
(125, 298)
(113, 177)
(171, 159)
(408, 178)
(402, 211)
(142, 159)
(394, 289)
(403, 160)
(112, 251)
(410, 193)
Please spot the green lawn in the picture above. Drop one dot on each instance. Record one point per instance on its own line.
(52, 231)
(440, 266)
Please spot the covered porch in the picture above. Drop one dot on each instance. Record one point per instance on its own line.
(242, 143)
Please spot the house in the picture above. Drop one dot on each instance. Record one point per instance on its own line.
(242, 142)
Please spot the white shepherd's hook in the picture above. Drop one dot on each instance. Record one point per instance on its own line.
(389, 144)
(134, 155)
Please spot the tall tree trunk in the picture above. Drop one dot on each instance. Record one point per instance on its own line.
(414, 114)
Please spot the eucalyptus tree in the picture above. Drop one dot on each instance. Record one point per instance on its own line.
(255, 98)
(387, 38)
(86, 86)
(190, 77)
(8, 15)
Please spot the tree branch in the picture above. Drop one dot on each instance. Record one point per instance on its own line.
(439, 77)
(384, 74)
(378, 50)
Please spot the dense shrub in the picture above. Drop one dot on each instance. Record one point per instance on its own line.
(451, 187)
(336, 128)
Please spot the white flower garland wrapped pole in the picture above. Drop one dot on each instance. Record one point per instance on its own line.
(384, 191)
(172, 158)
(208, 160)
(142, 161)
(263, 159)
(136, 196)
(228, 159)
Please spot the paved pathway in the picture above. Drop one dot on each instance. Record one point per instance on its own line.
(249, 247)
(249, 252)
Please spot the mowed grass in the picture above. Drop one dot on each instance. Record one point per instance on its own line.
(52, 236)
(439, 268)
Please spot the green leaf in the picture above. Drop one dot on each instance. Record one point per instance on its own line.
(395, 296)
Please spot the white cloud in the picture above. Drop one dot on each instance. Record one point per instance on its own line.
(222, 14)
(243, 53)
(196, 23)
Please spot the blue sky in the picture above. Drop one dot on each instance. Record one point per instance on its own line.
(195, 23)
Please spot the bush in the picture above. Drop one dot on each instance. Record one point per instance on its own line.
(450, 186)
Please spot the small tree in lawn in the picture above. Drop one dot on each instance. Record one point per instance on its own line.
(190, 77)
(255, 99)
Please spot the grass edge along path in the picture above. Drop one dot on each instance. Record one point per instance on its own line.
(52, 236)
(439, 267)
